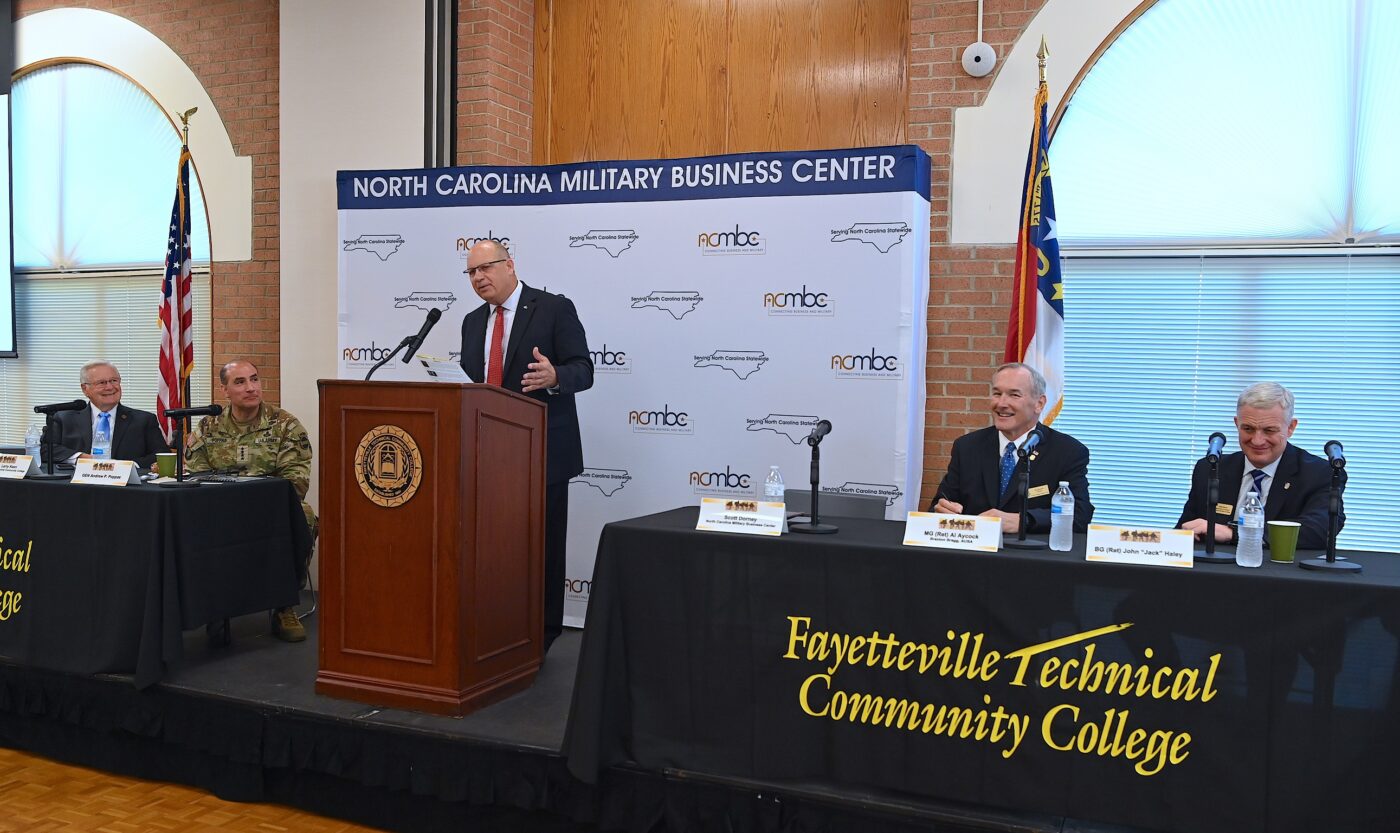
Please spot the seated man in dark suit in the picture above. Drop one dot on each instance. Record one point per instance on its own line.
(135, 434)
(979, 479)
(1292, 483)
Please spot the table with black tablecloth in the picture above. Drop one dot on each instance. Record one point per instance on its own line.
(1258, 700)
(111, 576)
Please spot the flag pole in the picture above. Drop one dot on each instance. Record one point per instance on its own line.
(185, 144)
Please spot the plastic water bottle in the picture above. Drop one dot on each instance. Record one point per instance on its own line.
(1062, 518)
(101, 443)
(773, 488)
(1250, 551)
(32, 439)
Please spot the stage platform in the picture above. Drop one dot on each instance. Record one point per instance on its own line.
(245, 723)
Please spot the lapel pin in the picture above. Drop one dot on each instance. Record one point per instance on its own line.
(1287, 485)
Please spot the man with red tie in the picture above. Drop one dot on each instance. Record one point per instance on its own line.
(531, 342)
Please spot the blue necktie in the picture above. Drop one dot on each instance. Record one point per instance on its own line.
(1259, 475)
(1008, 465)
(104, 424)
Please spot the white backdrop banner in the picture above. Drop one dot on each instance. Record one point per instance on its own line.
(730, 302)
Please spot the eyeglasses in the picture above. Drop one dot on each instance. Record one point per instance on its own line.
(102, 383)
(471, 272)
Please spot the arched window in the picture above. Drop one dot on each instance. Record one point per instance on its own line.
(1226, 191)
(95, 164)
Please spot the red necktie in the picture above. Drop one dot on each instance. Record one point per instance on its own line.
(494, 371)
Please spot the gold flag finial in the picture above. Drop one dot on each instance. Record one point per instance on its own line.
(1042, 54)
(184, 116)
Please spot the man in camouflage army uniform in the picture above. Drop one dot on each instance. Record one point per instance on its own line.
(253, 437)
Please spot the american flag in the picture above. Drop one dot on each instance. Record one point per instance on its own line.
(176, 316)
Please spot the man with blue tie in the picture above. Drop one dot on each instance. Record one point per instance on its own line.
(1292, 483)
(135, 434)
(979, 480)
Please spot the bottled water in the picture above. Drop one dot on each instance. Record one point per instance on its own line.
(1250, 551)
(773, 486)
(101, 442)
(1062, 518)
(32, 439)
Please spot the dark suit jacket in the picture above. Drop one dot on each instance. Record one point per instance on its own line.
(550, 323)
(974, 477)
(135, 435)
(1298, 493)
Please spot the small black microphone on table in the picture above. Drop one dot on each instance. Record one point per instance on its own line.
(1032, 440)
(1333, 450)
(207, 410)
(1217, 445)
(821, 429)
(60, 407)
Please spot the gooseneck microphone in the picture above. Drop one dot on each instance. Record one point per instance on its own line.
(1217, 445)
(1032, 440)
(60, 407)
(1333, 450)
(207, 410)
(821, 429)
(433, 315)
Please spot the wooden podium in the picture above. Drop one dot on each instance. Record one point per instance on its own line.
(432, 543)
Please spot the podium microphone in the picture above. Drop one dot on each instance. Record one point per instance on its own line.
(821, 429)
(1333, 450)
(60, 407)
(207, 410)
(1032, 440)
(433, 315)
(1217, 444)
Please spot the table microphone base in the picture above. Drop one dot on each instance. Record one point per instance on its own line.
(1028, 544)
(1340, 565)
(55, 476)
(1214, 557)
(806, 527)
(179, 484)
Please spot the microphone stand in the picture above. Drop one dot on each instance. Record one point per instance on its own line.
(1209, 555)
(1023, 484)
(813, 525)
(1334, 508)
(385, 360)
(179, 482)
(49, 423)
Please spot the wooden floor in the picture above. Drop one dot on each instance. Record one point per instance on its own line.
(39, 796)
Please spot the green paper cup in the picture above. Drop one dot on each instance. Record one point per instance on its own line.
(1283, 541)
(165, 464)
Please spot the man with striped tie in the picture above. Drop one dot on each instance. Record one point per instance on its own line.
(980, 478)
(1292, 484)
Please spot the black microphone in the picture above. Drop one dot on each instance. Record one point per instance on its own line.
(1217, 444)
(433, 315)
(207, 410)
(60, 407)
(821, 429)
(1032, 440)
(1333, 450)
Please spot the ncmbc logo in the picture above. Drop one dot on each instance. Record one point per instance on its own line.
(870, 365)
(363, 356)
(664, 421)
(610, 361)
(804, 302)
(727, 482)
(464, 243)
(736, 242)
(577, 589)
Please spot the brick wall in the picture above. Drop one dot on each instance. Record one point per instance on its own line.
(495, 81)
(969, 287)
(231, 46)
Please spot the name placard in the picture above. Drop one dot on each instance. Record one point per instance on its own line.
(105, 472)
(16, 466)
(747, 517)
(1124, 545)
(952, 532)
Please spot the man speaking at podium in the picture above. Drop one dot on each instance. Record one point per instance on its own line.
(1292, 483)
(135, 434)
(980, 478)
(531, 342)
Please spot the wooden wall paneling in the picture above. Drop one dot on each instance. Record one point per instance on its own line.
(694, 77)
